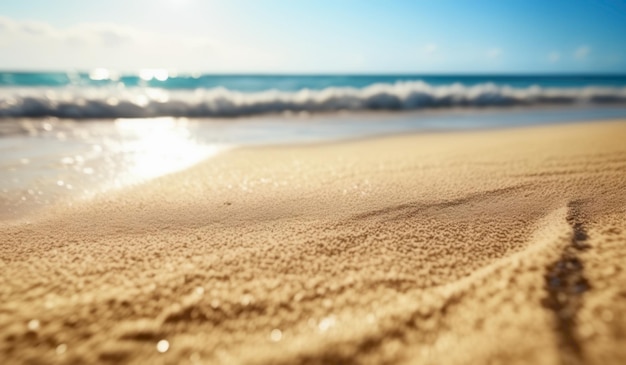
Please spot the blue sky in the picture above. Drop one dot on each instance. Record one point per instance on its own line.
(316, 36)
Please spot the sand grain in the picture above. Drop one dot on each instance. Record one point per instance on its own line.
(424, 249)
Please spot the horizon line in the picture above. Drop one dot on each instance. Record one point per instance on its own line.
(327, 73)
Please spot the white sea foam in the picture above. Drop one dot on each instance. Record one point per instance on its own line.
(75, 102)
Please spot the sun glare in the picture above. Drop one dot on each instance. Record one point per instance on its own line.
(100, 74)
(153, 73)
(160, 146)
(177, 3)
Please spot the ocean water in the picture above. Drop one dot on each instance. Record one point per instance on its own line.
(158, 93)
(69, 135)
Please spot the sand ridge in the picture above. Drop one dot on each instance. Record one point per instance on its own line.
(431, 248)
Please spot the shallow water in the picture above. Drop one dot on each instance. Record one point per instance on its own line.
(45, 161)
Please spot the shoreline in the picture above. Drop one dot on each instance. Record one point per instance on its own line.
(421, 247)
(17, 211)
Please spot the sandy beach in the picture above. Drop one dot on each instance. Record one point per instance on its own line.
(500, 247)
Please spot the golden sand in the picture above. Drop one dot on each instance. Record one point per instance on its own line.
(464, 248)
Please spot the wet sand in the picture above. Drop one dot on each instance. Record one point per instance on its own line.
(478, 247)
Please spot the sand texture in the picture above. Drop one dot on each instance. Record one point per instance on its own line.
(491, 247)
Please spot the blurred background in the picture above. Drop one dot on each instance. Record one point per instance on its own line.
(323, 36)
(102, 94)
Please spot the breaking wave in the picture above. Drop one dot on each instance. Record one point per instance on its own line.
(76, 102)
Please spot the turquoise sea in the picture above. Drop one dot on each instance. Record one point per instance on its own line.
(76, 134)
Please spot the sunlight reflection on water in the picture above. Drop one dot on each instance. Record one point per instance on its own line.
(52, 160)
(154, 147)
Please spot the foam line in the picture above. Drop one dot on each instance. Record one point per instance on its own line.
(76, 102)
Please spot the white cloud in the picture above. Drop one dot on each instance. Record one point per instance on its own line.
(554, 56)
(582, 52)
(494, 53)
(38, 45)
(87, 34)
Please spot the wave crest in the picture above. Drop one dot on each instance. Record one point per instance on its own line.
(220, 102)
